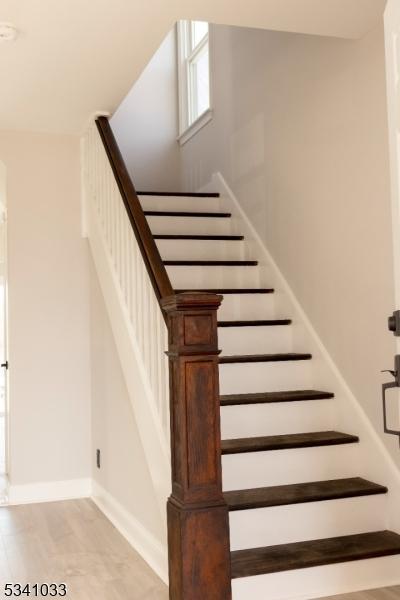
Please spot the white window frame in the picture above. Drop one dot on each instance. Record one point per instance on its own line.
(187, 126)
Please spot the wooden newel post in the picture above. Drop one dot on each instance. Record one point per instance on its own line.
(198, 527)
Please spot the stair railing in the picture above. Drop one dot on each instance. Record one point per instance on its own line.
(197, 514)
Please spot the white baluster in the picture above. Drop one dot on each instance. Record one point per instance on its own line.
(140, 305)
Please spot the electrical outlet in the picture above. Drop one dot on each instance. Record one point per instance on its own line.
(98, 458)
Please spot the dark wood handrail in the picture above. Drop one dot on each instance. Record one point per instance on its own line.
(148, 248)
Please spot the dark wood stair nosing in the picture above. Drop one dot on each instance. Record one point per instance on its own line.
(302, 493)
(205, 237)
(182, 194)
(183, 213)
(255, 323)
(314, 553)
(229, 291)
(210, 263)
(286, 442)
(254, 358)
(274, 397)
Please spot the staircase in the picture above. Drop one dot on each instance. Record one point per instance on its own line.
(291, 482)
(281, 488)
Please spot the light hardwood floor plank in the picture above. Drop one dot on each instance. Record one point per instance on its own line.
(73, 542)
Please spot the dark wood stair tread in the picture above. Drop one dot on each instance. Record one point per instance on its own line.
(256, 323)
(252, 358)
(314, 553)
(183, 213)
(175, 236)
(230, 291)
(301, 493)
(211, 263)
(182, 194)
(286, 442)
(271, 397)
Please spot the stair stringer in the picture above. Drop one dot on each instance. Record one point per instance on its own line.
(153, 437)
(153, 432)
(374, 461)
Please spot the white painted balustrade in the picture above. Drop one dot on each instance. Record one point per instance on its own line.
(136, 318)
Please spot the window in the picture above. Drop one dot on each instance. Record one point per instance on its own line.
(194, 77)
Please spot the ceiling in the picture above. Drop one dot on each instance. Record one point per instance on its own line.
(76, 57)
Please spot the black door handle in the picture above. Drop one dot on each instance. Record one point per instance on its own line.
(387, 386)
(394, 323)
(4, 365)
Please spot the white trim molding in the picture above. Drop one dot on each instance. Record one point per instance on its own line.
(49, 491)
(93, 116)
(377, 462)
(392, 41)
(153, 551)
(144, 542)
(198, 124)
(189, 125)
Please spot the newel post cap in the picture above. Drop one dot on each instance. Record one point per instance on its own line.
(191, 301)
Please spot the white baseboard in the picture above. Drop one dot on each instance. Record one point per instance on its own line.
(144, 542)
(49, 491)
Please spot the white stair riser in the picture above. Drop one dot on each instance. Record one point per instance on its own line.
(255, 340)
(240, 378)
(310, 521)
(281, 467)
(193, 277)
(188, 225)
(247, 306)
(277, 419)
(201, 249)
(181, 203)
(307, 584)
(285, 524)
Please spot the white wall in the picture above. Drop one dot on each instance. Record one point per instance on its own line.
(67, 392)
(146, 123)
(48, 310)
(124, 473)
(300, 133)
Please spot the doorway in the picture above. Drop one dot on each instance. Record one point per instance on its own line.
(3, 341)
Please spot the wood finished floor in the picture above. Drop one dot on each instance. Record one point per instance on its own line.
(74, 543)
